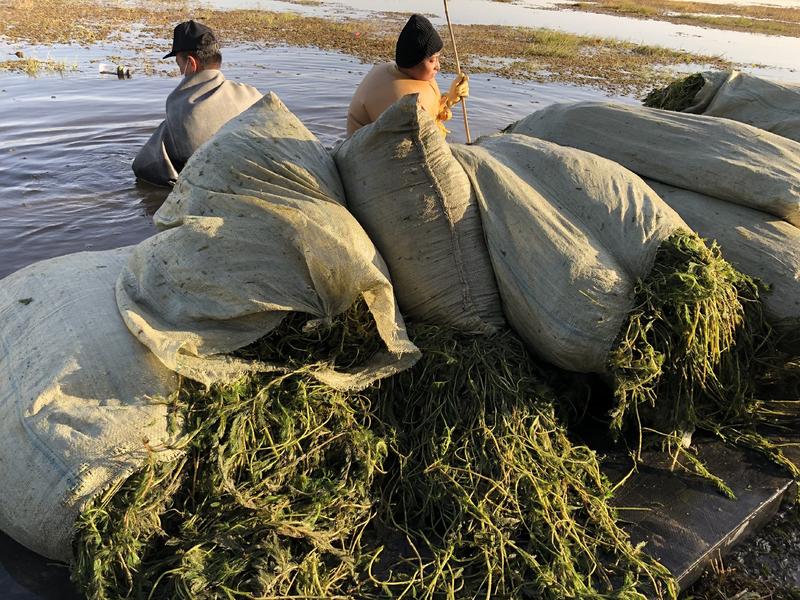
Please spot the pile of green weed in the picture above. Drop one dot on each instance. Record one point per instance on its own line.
(289, 489)
(678, 95)
(492, 495)
(692, 352)
(270, 500)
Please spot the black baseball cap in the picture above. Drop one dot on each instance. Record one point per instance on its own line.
(190, 36)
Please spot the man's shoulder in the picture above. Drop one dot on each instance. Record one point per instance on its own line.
(234, 82)
(382, 72)
(239, 89)
(210, 87)
(242, 86)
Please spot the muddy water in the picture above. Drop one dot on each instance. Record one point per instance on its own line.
(65, 181)
(66, 144)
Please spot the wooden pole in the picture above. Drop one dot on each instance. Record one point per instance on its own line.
(458, 67)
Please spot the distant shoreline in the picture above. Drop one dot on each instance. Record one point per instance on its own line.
(767, 20)
(543, 55)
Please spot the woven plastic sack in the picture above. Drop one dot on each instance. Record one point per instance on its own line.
(81, 400)
(569, 234)
(404, 186)
(770, 105)
(717, 157)
(255, 228)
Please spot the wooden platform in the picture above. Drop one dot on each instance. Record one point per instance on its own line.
(684, 520)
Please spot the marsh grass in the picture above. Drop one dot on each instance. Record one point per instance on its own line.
(540, 54)
(544, 43)
(270, 500)
(678, 95)
(33, 67)
(771, 20)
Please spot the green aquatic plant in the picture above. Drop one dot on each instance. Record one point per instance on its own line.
(678, 95)
(484, 482)
(691, 353)
(452, 479)
(270, 500)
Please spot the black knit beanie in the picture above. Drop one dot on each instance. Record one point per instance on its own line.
(416, 42)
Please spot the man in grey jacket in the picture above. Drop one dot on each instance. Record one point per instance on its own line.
(202, 103)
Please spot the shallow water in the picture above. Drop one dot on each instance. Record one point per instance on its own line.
(775, 57)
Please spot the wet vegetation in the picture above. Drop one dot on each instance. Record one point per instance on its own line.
(453, 479)
(770, 20)
(678, 95)
(35, 66)
(515, 52)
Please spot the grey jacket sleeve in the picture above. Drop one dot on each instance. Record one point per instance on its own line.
(152, 163)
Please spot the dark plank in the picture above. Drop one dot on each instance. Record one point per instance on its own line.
(685, 521)
(25, 575)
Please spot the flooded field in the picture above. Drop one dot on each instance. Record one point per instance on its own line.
(769, 56)
(66, 142)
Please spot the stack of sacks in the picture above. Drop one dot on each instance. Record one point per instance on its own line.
(569, 234)
(256, 228)
(714, 158)
(404, 186)
(82, 402)
(769, 105)
(723, 159)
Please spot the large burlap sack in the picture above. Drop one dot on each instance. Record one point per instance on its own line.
(256, 227)
(768, 105)
(569, 234)
(409, 193)
(717, 157)
(754, 242)
(81, 400)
